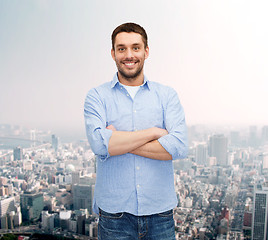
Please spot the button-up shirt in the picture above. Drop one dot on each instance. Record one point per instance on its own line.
(128, 182)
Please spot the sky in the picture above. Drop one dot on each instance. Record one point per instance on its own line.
(214, 53)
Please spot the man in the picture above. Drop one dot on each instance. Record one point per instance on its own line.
(136, 128)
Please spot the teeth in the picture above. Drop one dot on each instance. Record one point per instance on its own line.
(129, 64)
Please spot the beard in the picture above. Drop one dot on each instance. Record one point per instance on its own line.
(130, 75)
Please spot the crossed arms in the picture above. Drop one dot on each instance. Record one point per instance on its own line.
(153, 143)
(143, 143)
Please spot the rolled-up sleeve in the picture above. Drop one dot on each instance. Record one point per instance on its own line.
(95, 122)
(176, 142)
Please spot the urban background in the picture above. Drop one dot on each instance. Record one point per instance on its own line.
(47, 186)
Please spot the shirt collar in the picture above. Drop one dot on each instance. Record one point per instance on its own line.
(115, 82)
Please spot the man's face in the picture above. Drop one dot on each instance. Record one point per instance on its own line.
(129, 54)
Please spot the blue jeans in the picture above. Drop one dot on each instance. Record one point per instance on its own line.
(125, 226)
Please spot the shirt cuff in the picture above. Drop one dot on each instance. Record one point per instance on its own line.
(169, 144)
(105, 135)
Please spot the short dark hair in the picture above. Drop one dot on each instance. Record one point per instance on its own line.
(130, 27)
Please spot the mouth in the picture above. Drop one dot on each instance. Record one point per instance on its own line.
(130, 64)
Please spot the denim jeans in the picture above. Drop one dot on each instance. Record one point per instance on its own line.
(125, 226)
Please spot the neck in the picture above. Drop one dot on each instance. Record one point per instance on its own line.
(137, 81)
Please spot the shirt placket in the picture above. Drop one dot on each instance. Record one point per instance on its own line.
(136, 126)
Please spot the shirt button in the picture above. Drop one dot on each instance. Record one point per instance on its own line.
(138, 186)
(138, 168)
(134, 111)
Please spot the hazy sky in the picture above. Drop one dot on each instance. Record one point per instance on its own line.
(214, 53)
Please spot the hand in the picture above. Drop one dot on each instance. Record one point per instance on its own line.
(159, 132)
(111, 127)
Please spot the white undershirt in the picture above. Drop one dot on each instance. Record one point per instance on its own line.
(132, 90)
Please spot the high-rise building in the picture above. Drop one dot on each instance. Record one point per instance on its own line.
(253, 136)
(247, 222)
(260, 209)
(17, 153)
(218, 146)
(3, 191)
(76, 176)
(235, 139)
(65, 217)
(48, 221)
(264, 134)
(55, 142)
(263, 158)
(225, 213)
(201, 154)
(7, 205)
(82, 197)
(32, 205)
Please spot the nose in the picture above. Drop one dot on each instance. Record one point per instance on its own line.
(129, 53)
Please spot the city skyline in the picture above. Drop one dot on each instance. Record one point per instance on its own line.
(213, 53)
(45, 184)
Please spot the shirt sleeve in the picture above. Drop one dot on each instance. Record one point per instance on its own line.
(95, 122)
(176, 142)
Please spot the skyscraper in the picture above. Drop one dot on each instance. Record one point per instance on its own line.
(201, 154)
(76, 176)
(218, 148)
(82, 197)
(32, 205)
(260, 208)
(55, 142)
(7, 205)
(253, 136)
(17, 153)
(264, 134)
(235, 139)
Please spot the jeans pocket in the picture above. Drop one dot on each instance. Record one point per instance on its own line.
(110, 215)
(168, 213)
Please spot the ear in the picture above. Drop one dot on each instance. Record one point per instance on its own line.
(146, 52)
(113, 54)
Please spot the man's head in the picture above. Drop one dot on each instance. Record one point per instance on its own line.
(130, 27)
(129, 52)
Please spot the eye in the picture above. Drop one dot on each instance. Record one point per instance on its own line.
(136, 48)
(121, 49)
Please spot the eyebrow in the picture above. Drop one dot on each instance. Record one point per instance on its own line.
(123, 45)
(120, 45)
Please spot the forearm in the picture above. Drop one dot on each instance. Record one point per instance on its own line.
(153, 150)
(122, 142)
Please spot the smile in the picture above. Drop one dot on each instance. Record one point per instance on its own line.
(129, 64)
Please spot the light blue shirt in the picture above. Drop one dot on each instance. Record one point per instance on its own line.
(131, 183)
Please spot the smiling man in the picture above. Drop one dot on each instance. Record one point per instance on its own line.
(135, 127)
(129, 54)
